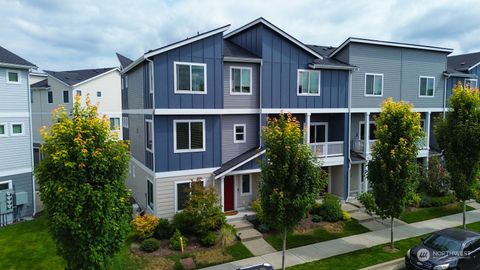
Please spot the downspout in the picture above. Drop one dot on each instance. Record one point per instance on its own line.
(445, 96)
(152, 73)
(260, 106)
(349, 130)
(31, 143)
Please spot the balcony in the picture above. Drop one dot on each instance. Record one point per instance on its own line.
(331, 153)
(359, 147)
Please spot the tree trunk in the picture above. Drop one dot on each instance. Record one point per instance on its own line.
(464, 215)
(391, 233)
(284, 247)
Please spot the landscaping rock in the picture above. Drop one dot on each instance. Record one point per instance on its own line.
(188, 263)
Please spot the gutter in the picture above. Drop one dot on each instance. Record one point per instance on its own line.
(260, 106)
(152, 73)
(322, 66)
(34, 194)
(349, 131)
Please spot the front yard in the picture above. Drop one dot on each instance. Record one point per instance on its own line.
(413, 214)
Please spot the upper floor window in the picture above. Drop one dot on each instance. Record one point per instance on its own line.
(371, 131)
(3, 129)
(17, 129)
(66, 96)
(99, 94)
(427, 84)
(188, 135)
(373, 84)
(190, 78)
(239, 133)
(114, 123)
(125, 121)
(126, 81)
(471, 82)
(149, 135)
(241, 80)
(79, 92)
(50, 97)
(151, 77)
(13, 76)
(308, 82)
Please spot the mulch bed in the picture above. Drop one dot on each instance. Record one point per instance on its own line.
(164, 250)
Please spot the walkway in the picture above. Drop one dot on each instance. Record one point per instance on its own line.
(348, 244)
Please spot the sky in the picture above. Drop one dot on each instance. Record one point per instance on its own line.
(79, 34)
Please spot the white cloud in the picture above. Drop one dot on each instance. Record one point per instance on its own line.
(64, 35)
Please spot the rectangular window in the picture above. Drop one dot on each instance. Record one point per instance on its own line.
(149, 135)
(13, 76)
(125, 121)
(246, 184)
(308, 82)
(50, 97)
(189, 135)
(318, 132)
(99, 94)
(31, 96)
(79, 92)
(371, 134)
(36, 156)
(3, 130)
(151, 77)
(190, 78)
(239, 133)
(427, 85)
(373, 84)
(114, 123)
(6, 185)
(150, 194)
(182, 193)
(126, 81)
(66, 96)
(17, 129)
(241, 80)
(471, 82)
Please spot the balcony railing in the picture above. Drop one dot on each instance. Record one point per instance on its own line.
(327, 149)
(359, 145)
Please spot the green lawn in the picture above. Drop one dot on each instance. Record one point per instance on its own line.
(367, 257)
(421, 214)
(318, 235)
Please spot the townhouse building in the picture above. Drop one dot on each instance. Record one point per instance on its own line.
(16, 165)
(194, 109)
(51, 89)
(463, 69)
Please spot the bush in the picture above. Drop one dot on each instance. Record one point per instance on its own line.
(177, 241)
(257, 208)
(316, 209)
(331, 208)
(428, 201)
(150, 245)
(164, 229)
(317, 218)
(368, 200)
(346, 216)
(227, 235)
(183, 222)
(144, 226)
(437, 182)
(414, 200)
(209, 239)
(263, 228)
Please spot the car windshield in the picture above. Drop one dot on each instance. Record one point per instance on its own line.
(442, 243)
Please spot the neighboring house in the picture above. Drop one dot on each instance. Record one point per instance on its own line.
(463, 68)
(54, 88)
(194, 109)
(16, 164)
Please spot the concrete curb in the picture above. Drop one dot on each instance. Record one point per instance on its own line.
(395, 264)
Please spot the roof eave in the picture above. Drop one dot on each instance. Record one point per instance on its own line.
(8, 65)
(242, 59)
(133, 64)
(474, 66)
(95, 77)
(321, 66)
(462, 75)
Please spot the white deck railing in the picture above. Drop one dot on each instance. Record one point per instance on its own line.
(359, 145)
(327, 149)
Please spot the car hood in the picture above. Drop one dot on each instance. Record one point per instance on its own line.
(432, 260)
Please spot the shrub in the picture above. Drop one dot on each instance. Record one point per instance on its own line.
(227, 235)
(332, 210)
(150, 245)
(164, 229)
(209, 239)
(177, 241)
(368, 200)
(437, 182)
(414, 200)
(316, 209)
(428, 201)
(317, 218)
(257, 208)
(263, 228)
(144, 225)
(183, 222)
(346, 216)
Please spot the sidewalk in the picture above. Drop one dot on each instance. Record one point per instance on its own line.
(322, 250)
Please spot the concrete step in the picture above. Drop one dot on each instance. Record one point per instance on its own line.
(362, 216)
(248, 235)
(350, 208)
(241, 225)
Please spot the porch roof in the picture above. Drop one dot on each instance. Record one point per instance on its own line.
(238, 161)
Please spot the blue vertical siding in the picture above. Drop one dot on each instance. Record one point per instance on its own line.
(451, 82)
(167, 160)
(251, 165)
(209, 51)
(250, 39)
(346, 154)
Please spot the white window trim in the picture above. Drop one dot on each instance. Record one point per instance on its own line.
(119, 125)
(365, 84)
(319, 82)
(360, 129)
(151, 78)
(249, 183)
(146, 143)
(231, 79)
(17, 134)
(175, 150)
(470, 80)
(5, 129)
(63, 96)
(176, 91)
(96, 94)
(203, 180)
(7, 79)
(153, 195)
(9, 182)
(125, 121)
(235, 133)
(420, 84)
(321, 124)
(50, 91)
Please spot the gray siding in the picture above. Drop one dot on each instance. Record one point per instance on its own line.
(241, 101)
(137, 136)
(22, 182)
(16, 151)
(135, 89)
(229, 148)
(13, 97)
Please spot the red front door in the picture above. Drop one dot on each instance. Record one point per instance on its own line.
(228, 189)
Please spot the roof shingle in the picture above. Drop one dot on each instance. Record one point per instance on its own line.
(73, 77)
(8, 57)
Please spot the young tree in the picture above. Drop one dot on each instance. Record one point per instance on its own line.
(459, 136)
(392, 170)
(82, 186)
(291, 176)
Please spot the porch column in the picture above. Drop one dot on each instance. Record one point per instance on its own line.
(367, 135)
(427, 135)
(222, 192)
(307, 123)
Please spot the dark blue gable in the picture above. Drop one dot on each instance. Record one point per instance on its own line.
(250, 39)
(451, 83)
(167, 160)
(209, 51)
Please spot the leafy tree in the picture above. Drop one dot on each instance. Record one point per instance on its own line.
(291, 176)
(437, 181)
(82, 186)
(392, 170)
(459, 136)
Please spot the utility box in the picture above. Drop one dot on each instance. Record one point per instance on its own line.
(21, 197)
(6, 201)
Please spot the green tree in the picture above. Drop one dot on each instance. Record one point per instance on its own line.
(459, 136)
(393, 170)
(291, 176)
(82, 186)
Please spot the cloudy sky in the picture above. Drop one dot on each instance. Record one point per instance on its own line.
(63, 35)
